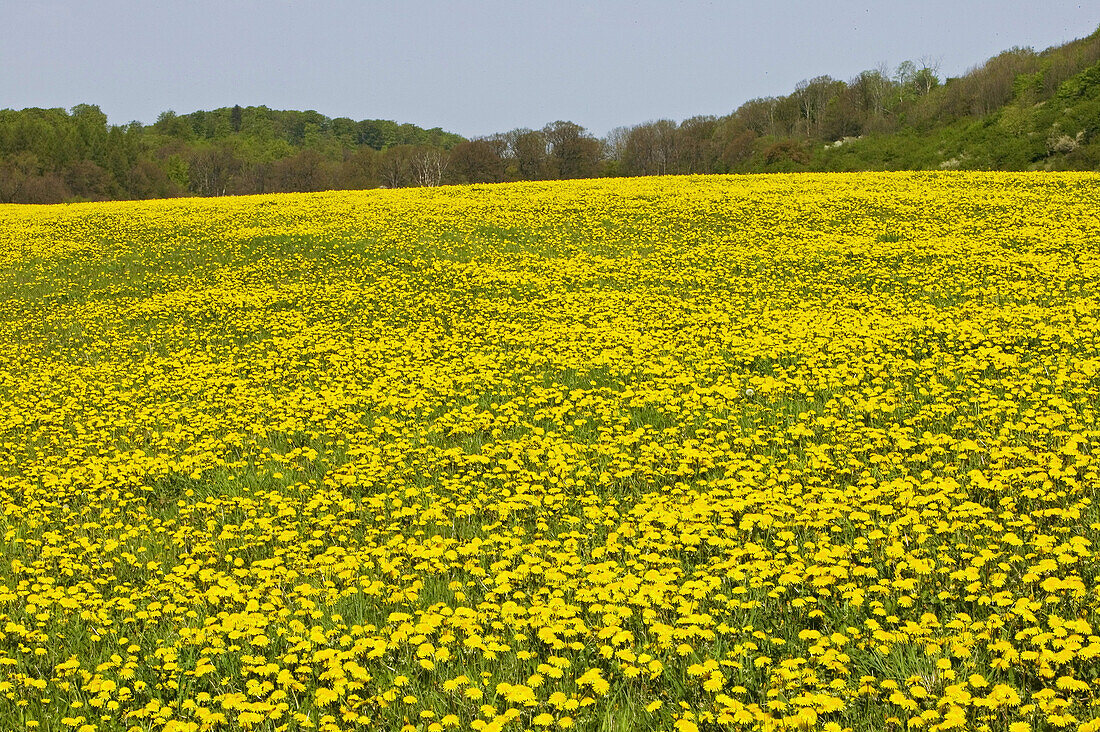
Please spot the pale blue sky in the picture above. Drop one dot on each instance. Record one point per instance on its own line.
(482, 67)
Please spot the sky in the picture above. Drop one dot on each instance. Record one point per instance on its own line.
(476, 68)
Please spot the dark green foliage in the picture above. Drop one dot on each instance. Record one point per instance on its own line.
(50, 155)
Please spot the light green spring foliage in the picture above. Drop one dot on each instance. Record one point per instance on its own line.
(805, 452)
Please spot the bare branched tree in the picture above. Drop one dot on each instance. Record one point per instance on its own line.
(614, 145)
(428, 166)
(395, 166)
(927, 78)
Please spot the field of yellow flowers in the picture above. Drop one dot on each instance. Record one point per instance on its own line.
(694, 453)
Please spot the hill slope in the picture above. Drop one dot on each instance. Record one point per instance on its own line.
(1021, 110)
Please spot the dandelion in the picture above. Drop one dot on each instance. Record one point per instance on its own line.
(436, 458)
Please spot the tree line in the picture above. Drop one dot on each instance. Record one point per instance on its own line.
(1020, 109)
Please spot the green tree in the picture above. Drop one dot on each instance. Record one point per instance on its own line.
(572, 152)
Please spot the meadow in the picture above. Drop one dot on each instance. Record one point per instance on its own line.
(807, 452)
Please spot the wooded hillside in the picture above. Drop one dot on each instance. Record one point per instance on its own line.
(1020, 110)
